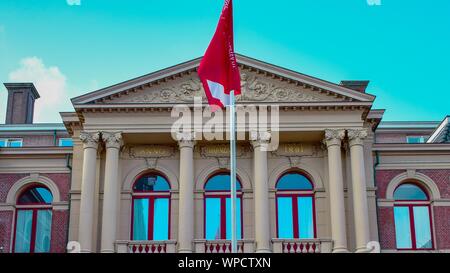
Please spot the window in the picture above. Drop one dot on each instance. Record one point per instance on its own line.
(65, 142)
(33, 221)
(415, 139)
(151, 208)
(295, 207)
(218, 208)
(11, 142)
(412, 218)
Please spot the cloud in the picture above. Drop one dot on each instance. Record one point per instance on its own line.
(51, 85)
(73, 2)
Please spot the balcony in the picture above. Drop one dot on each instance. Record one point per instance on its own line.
(223, 246)
(302, 245)
(146, 246)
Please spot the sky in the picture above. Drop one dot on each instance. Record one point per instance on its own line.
(71, 47)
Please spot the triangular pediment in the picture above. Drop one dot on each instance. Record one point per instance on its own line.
(261, 83)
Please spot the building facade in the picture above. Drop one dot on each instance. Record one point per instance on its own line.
(113, 178)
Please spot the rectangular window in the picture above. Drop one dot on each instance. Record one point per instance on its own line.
(140, 219)
(161, 219)
(415, 139)
(305, 217)
(43, 231)
(402, 227)
(422, 227)
(285, 219)
(213, 215)
(65, 142)
(238, 218)
(11, 142)
(24, 223)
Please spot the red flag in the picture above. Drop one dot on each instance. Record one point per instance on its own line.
(218, 69)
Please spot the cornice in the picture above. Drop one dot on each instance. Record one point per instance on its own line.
(51, 150)
(406, 147)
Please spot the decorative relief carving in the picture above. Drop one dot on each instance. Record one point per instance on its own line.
(357, 134)
(112, 139)
(331, 134)
(221, 151)
(254, 88)
(90, 139)
(148, 151)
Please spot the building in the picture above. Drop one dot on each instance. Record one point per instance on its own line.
(111, 178)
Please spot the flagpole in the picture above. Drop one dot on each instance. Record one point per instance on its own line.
(233, 172)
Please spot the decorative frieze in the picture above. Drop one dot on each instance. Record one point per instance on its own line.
(221, 151)
(148, 151)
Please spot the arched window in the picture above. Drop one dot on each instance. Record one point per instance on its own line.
(295, 207)
(412, 217)
(151, 208)
(33, 220)
(218, 208)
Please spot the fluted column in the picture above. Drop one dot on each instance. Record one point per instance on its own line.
(113, 141)
(360, 208)
(260, 141)
(85, 227)
(333, 139)
(186, 143)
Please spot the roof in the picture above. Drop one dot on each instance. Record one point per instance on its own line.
(442, 132)
(32, 127)
(245, 61)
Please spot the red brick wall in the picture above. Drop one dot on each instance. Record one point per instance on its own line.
(59, 219)
(60, 227)
(6, 218)
(441, 225)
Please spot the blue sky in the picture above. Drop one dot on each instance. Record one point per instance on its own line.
(70, 47)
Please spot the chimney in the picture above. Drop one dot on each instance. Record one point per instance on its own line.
(20, 108)
(359, 86)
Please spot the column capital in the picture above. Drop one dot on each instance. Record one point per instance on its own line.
(260, 139)
(112, 139)
(186, 139)
(334, 137)
(90, 140)
(356, 136)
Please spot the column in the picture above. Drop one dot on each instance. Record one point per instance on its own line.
(260, 141)
(360, 208)
(85, 227)
(333, 140)
(111, 200)
(186, 143)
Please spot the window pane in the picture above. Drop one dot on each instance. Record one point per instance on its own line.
(238, 218)
(23, 231)
(43, 231)
(220, 182)
(65, 142)
(151, 183)
(212, 219)
(294, 181)
(2, 142)
(409, 192)
(161, 219)
(422, 227)
(140, 219)
(402, 227)
(15, 143)
(36, 195)
(305, 217)
(285, 222)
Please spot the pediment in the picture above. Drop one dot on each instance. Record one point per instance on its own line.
(261, 83)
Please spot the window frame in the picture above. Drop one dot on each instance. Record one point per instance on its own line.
(222, 195)
(34, 207)
(410, 204)
(294, 195)
(60, 140)
(423, 139)
(9, 140)
(151, 196)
